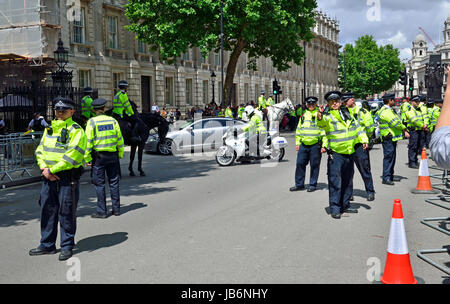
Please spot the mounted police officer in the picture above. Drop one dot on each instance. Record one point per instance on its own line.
(86, 104)
(122, 109)
(308, 143)
(391, 130)
(342, 134)
(60, 157)
(417, 124)
(105, 147)
(361, 156)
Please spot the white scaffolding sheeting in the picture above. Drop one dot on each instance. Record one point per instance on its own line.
(20, 27)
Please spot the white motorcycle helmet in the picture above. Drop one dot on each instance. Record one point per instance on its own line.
(249, 110)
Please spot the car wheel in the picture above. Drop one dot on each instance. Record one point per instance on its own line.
(165, 147)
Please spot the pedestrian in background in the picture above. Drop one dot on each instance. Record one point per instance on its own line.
(60, 157)
(2, 126)
(38, 123)
(105, 147)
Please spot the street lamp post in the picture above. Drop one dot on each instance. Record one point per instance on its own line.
(213, 79)
(61, 77)
(304, 74)
(221, 51)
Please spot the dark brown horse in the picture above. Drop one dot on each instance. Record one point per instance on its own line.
(146, 122)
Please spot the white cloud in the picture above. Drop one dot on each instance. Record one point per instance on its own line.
(397, 40)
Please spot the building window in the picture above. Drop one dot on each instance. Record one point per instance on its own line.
(188, 91)
(216, 59)
(186, 55)
(112, 32)
(79, 29)
(246, 93)
(141, 47)
(205, 92)
(169, 91)
(116, 78)
(84, 78)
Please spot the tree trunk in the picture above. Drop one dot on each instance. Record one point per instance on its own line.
(231, 70)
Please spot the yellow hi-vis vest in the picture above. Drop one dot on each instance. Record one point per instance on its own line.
(103, 134)
(342, 136)
(390, 123)
(308, 132)
(57, 155)
(122, 104)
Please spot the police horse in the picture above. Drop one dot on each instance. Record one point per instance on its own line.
(276, 112)
(147, 122)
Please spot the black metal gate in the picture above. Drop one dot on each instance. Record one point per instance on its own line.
(17, 104)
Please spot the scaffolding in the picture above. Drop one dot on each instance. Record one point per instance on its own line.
(22, 26)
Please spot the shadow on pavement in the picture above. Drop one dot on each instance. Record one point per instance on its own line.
(19, 205)
(93, 243)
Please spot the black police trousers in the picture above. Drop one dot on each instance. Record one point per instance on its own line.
(340, 182)
(106, 167)
(58, 202)
(362, 162)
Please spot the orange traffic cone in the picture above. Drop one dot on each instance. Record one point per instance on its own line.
(424, 182)
(398, 266)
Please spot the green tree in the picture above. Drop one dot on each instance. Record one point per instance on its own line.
(268, 28)
(367, 68)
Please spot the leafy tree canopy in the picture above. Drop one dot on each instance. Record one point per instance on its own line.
(268, 28)
(368, 68)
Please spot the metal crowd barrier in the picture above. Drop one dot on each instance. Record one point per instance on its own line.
(17, 153)
(440, 202)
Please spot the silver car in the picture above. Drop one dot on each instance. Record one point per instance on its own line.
(194, 137)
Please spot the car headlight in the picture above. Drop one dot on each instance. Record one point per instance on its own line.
(152, 138)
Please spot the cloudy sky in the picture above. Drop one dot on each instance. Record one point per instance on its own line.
(395, 22)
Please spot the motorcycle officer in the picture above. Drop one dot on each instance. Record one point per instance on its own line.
(255, 131)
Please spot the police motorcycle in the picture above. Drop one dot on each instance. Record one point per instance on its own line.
(235, 147)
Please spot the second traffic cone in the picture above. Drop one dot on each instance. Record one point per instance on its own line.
(424, 182)
(398, 265)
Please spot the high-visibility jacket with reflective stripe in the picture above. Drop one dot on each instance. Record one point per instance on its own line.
(435, 112)
(261, 102)
(57, 156)
(103, 134)
(342, 136)
(424, 110)
(240, 111)
(122, 104)
(390, 123)
(86, 107)
(403, 109)
(363, 118)
(270, 102)
(228, 113)
(415, 119)
(308, 132)
(255, 125)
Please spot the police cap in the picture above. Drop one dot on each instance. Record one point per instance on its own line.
(439, 100)
(423, 97)
(388, 96)
(123, 83)
(61, 104)
(347, 96)
(311, 99)
(98, 103)
(333, 95)
(88, 90)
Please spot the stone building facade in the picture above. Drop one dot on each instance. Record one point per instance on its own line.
(102, 52)
(421, 57)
